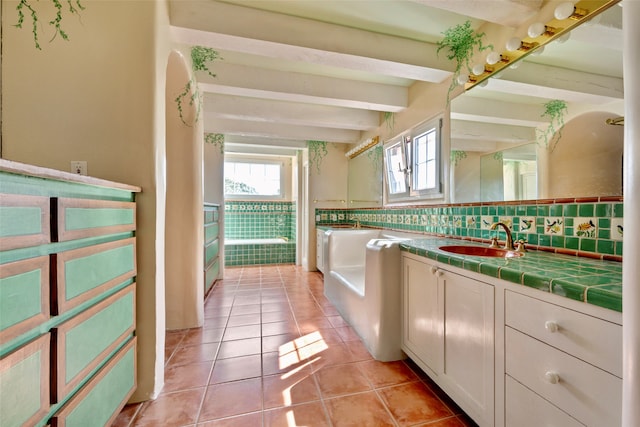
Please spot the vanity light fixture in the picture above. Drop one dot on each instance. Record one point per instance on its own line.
(566, 17)
(478, 69)
(362, 147)
(463, 77)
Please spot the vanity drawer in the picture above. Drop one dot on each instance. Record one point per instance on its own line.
(24, 384)
(24, 296)
(589, 394)
(211, 232)
(80, 218)
(211, 251)
(100, 401)
(83, 342)
(524, 408)
(593, 340)
(24, 221)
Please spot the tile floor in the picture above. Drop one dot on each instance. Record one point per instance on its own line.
(274, 352)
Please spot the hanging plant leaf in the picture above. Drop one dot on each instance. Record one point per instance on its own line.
(74, 7)
(390, 120)
(200, 56)
(456, 156)
(555, 110)
(317, 152)
(216, 139)
(375, 156)
(460, 41)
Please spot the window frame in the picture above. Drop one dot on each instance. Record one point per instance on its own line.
(261, 161)
(410, 146)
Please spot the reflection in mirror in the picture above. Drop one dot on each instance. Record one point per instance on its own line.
(509, 174)
(365, 178)
(586, 73)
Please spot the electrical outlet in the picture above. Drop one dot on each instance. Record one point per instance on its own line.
(79, 167)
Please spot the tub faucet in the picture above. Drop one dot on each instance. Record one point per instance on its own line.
(357, 223)
(508, 244)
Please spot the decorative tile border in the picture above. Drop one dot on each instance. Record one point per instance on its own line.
(260, 220)
(590, 227)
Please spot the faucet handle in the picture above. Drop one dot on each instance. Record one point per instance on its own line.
(494, 242)
(520, 245)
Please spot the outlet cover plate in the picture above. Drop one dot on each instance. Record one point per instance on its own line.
(79, 167)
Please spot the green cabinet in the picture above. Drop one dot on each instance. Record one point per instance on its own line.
(211, 245)
(67, 297)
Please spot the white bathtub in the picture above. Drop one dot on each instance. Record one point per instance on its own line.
(363, 282)
(255, 241)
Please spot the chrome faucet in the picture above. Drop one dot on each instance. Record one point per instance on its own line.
(508, 244)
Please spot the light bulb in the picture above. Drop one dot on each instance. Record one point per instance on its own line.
(538, 51)
(463, 77)
(514, 65)
(513, 44)
(483, 83)
(493, 58)
(536, 29)
(478, 69)
(564, 10)
(563, 38)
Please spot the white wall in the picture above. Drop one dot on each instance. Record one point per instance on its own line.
(99, 97)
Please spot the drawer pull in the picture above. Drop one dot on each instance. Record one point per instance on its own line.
(439, 273)
(551, 326)
(552, 377)
(434, 269)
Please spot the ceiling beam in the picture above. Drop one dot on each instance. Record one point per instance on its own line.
(476, 109)
(464, 130)
(244, 108)
(279, 131)
(511, 13)
(241, 80)
(228, 27)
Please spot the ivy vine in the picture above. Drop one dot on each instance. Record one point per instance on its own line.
(390, 120)
(375, 156)
(461, 40)
(200, 56)
(456, 156)
(216, 139)
(555, 110)
(74, 7)
(317, 152)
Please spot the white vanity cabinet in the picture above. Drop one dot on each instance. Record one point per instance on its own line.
(569, 362)
(448, 330)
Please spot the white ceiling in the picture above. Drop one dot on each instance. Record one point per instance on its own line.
(326, 69)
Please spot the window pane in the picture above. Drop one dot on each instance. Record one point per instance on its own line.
(424, 177)
(257, 179)
(396, 169)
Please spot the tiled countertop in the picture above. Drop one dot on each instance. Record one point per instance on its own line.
(588, 280)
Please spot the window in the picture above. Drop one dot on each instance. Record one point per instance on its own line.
(412, 164)
(251, 179)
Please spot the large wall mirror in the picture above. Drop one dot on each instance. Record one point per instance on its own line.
(499, 149)
(364, 184)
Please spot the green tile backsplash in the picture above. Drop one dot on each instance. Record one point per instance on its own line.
(590, 227)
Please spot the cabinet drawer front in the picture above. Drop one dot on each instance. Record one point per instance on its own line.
(211, 251)
(99, 402)
(211, 274)
(80, 218)
(211, 232)
(83, 342)
(24, 296)
(211, 214)
(24, 221)
(24, 384)
(87, 272)
(589, 394)
(594, 340)
(524, 408)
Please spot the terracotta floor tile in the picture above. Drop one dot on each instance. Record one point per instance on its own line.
(246, 298)
(279, 328)
(238, 310)
(314, 324)
(245, 347)
(127, 415)
(364, 409)
(202, 336)
(452, 421)
(241, 332)
(281, 343)
(332, 354)
(236, 368)
(173, 409)
(337, 321)
(347, 333)
(358, 351)
(244, 319)
(277, 316)
(307, 414)
(193, 354)
(234, 398)
(276, 363)
(271, 307)
(413, 403)
(341, 379)
(287, 390)
(383, 374)
(184, 377)
(215, 322)
(173, 338)
(253, 419)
